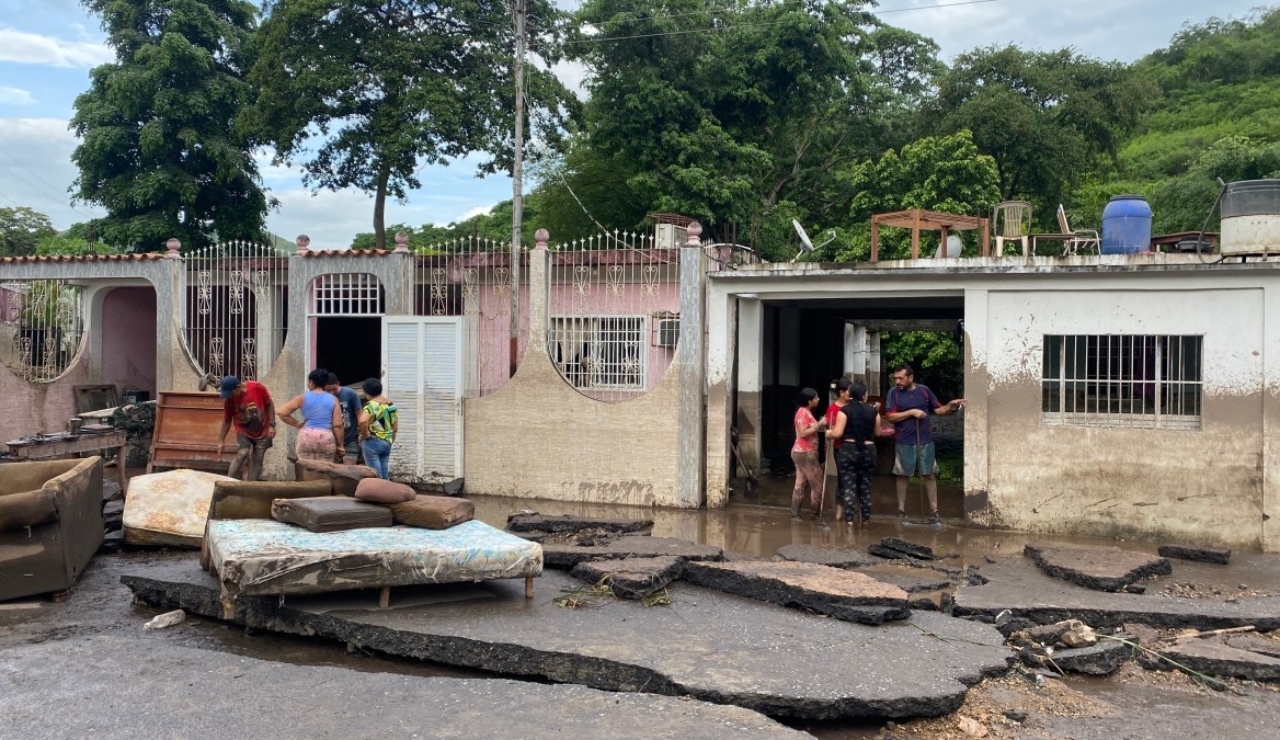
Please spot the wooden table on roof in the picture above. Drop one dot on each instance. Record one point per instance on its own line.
(74, 446)
(1169, 240)
(918, 218)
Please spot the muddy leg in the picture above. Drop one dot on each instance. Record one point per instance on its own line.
(931, 489)
(900, 487)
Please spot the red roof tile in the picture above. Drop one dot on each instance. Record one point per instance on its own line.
(87, 258)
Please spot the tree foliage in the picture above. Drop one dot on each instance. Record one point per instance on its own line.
(21, 229)
(366, 92)
(159, 150)
(1047, 118)
(944, 173)
(741, 115)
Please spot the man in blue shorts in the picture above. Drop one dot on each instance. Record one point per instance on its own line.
(908, 406)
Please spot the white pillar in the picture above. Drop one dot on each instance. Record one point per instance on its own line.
(750, 379)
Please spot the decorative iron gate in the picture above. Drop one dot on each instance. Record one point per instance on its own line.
(237, 294)
(41, 327)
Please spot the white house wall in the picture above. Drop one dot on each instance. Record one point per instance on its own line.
(1216, 485)
(1203, 485)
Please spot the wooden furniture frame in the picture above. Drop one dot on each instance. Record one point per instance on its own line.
(65, 447)
(918, 219)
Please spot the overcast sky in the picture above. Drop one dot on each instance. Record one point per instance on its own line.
(47, 48)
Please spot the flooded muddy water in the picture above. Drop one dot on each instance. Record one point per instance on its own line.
(101, 605)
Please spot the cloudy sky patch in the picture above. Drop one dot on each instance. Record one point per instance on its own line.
(47, 48)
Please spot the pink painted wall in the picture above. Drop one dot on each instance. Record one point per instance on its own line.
(128, 329)
(30, 408)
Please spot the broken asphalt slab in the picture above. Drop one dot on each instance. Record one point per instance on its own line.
(1101, 659)
(631, 578)
(566, 524)
(708, 645)
(227, 697)
(1218, 555)
(566, 556)
(835, 557)
(908, 578)
(1018, 585)
(1217, 659)
(842, 594)
(1099, 568)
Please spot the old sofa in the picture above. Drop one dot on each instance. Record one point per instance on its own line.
(50, 524)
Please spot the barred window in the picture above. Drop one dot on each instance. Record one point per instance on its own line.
(600, 352)
(1122, 380)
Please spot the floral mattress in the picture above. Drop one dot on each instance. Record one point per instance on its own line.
(262, 556)
(170, 508)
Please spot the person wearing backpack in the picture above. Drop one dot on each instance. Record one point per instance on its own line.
(379, 423)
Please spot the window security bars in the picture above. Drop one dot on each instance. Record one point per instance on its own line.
(608, 296)
(236, 304)
(601, 353)
(41, 327)
(1128, 381)
(347, 294)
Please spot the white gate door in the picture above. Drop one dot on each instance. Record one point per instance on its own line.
(425, 363)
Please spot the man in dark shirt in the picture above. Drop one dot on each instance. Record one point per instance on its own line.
(350, 403)
(908, 406)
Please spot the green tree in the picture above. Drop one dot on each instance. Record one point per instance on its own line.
(21, 229)
(740, 116)
(1182, 203)
(1047, 118)
(379, 89)
(944, 173)
(159, 150)
(71, 246)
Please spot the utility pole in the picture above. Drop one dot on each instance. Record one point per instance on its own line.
(517, 184)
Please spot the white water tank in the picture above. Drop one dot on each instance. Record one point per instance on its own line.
(1251, 217)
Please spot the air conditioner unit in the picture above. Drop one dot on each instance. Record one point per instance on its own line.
(670, 236)
(668, 333)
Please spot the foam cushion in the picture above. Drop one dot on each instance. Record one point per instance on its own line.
(384, 491)
(329, 513)
(433, 512)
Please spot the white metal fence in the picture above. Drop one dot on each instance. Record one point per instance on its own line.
(237, 293)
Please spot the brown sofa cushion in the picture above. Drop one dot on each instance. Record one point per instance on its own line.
(27, 509)
(433, 512)
(329, 513)
(342, 478)
(384, 491)
(252, 499)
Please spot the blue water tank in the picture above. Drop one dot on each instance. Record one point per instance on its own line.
(1126, 225)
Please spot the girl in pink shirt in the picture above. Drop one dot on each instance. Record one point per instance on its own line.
(805, 454)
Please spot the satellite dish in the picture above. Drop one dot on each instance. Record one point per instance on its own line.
(806, 245)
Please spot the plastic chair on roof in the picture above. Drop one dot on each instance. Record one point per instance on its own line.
(1011, 221)
(1077, 238)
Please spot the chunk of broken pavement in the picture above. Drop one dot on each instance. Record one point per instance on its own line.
(565, 524)
(836, 557)
(631, 578)
(1099, 568)
(921, 552)
(557, 555)
(839, 593)
(1217, 555)
(1101, 659)
(1217, 659)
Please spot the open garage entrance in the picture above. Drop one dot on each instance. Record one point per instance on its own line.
(784, 346)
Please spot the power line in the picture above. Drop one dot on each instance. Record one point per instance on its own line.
(52, 189)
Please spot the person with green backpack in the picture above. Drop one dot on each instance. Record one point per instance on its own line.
(379, 424)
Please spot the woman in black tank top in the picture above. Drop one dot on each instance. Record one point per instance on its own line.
(856, 425)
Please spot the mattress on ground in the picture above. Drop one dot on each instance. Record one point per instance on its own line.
(260, 556)
(170, 508)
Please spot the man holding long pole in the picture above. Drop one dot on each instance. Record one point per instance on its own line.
(908, 407)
